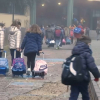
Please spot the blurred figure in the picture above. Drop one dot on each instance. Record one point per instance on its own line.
(58, 36)
(2, 25)
(62, 35)
(98, 32)
(49, 34)
(66, 29)
(72, 27)
(14, 39)
(53, 27)
(87, 31)
(43, 32)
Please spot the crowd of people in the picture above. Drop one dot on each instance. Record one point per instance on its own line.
(60, 35)
(32, 46)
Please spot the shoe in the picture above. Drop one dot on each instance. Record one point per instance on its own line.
(57, 48)
(28, 71)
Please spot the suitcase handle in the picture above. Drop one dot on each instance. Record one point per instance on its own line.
(20, 52)
(43, 54)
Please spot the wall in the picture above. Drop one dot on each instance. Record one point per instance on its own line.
(7, 19)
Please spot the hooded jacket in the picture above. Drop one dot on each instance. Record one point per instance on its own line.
(32, 43)
(1, 38)
(85, 53)
(14, 37)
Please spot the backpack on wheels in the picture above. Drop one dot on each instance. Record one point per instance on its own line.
(4, 66)
(40, 68)
(72, 70)
(19, 67)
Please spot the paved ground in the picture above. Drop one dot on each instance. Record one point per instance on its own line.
(48, 89)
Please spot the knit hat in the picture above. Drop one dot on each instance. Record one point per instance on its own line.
(85, 39)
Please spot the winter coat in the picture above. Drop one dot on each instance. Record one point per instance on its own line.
(49, 33)
(32, 42)
(1, 38)
(14, 38)
(88, 62)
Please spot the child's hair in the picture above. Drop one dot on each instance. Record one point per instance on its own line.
(85, 39)
(35, 29)
(16, 23)
(2, 24)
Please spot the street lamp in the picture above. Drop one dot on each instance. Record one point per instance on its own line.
(93, 0)
(59, 3)
(43, 5)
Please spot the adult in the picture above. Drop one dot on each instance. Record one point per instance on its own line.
(32, 45)
(43, 32)
(49, 34)
(98, 32)
(14, 39)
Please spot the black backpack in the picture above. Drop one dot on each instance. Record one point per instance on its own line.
(73, 72)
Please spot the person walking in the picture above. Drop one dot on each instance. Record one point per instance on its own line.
(58, 36)
(43, 32)
(49, 35)
(14, 39)
(82, 48)
(98, 32)
(62, 36)
(2, 25)
(32, 46)
(87, 31)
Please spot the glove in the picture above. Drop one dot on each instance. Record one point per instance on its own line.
(96, 79)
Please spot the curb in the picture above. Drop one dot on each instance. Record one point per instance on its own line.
(94, 89)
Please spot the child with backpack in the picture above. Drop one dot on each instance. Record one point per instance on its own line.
(14, 39)
(82, 50)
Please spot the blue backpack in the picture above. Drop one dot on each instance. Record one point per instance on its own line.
(4, 66)
(77, 30)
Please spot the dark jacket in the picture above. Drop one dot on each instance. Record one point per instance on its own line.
(32, 43)
(85, 52)
(49, 33)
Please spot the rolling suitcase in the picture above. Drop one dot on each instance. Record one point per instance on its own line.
(40, 68)
(4, 66)
(19, 67)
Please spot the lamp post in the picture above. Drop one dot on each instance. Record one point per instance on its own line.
(33, 12)
(70, 12)
(13, 10)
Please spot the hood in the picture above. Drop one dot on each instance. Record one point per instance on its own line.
(13, 30)
(80, 48)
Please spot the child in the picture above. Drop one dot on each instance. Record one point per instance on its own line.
(14, 39)
(82, 48)
(32, 44)
(2, 25)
